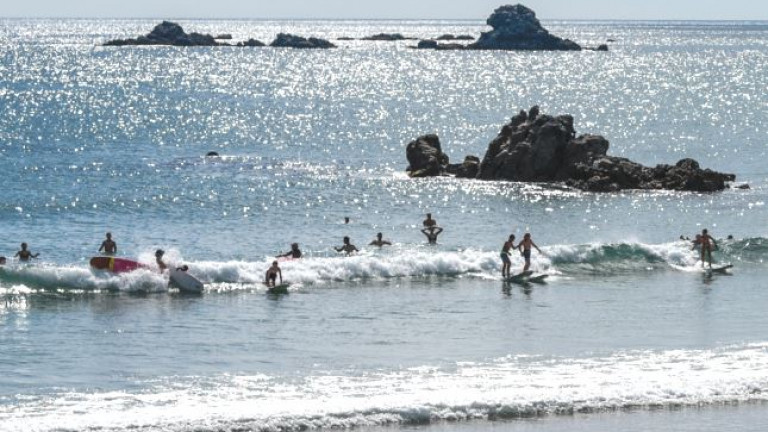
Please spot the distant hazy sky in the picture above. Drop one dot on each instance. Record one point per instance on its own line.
(469, 9)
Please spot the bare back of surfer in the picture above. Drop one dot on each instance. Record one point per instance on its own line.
(707, 244)
(108, 246)
(525, 248)
(272, 274)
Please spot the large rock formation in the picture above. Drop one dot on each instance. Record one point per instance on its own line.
(517, 28)
(389, 37)
(291, 41)
(168, 33)
(534, 147)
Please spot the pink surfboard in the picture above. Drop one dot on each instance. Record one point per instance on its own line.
(115, 265)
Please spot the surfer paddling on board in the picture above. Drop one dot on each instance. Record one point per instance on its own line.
(506, 263)
(707, 245)
(24, 255)
(379, 241)
(294, 253)
(525, 249)
(108, 246)
(347, 247)
(272, 274)
(159, 260)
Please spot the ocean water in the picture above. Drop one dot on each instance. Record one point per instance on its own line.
(628, 333)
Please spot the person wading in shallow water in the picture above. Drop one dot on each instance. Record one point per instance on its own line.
(24, 255)
(347, 247)
(379, 241)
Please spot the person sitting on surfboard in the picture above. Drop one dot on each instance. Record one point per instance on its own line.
(294, 253)
(347, 247)
(24, 255)
(379, 241)
(432, 233)
(272, 274)
(159, 260)
(707, 245)
(506, 263)
(108, 246)
(525, 248)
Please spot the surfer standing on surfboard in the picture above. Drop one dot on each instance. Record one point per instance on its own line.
(272, 274)
(525, 248)
(707, 245)
(108, 246)
(506, 263)
(24, 255)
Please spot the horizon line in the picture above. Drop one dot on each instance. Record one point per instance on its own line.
(379, 19)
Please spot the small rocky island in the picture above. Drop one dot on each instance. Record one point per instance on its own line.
(172, 34)
(535, 147)
(515, 27)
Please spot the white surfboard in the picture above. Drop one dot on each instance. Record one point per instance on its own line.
(185, 282)
(723, 269)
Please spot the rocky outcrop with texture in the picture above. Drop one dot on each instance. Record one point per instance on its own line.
(168, 33)
(390, 37)
(285, 40)
(517, 28)
(535, 147)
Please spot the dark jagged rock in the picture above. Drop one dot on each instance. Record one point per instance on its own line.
(431, 44)
(427, 44)
(517, 28)
(251, 43)
(602, 47)
(387, 37)
(345, 38)
(168, 33)
(225, 36)
(425, 157)
(534, 147)
(285, 40)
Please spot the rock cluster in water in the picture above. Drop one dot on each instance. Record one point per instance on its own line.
(515, 27)
(169, 33)
(535, 147)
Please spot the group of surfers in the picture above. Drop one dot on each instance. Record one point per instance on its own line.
(704, 242)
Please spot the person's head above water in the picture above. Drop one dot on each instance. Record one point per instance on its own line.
(23, 246)
(379, 236)
(704, 231)
(159, 253)
(109, 236)
(294, 245)
(511, 237)
(346, 239)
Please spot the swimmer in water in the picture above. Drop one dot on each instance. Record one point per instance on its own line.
(347, 247)
(24, 255)
(379, 241)
(294, 253)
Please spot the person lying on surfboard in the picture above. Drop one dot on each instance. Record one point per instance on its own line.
(159, 260)
(294, 253)
(379, 241)
(108, 246)
(347, 247)
(272, 274)
(525, 248)
(24, 255)
(707, 245)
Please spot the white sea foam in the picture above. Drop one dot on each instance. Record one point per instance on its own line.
(510, 387)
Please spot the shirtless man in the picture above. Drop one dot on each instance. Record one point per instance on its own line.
(432, 233)
(159, 260)
(429, 222)
(24, 255)
(108, 246)
(506, 263)
(347, 247)
(379, 241)
(273, 272)
(707, 245)
(525, 248)
(294, 253)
